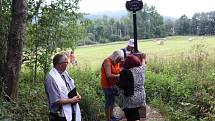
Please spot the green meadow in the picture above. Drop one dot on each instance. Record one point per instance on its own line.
(179, 76)
(179, 81)
(93, 55)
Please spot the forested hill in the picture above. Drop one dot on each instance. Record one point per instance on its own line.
(114, 26)
(111, 14)
(118, 15)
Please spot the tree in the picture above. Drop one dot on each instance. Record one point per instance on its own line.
(150, 23)
(203, 23)
(195, 24)
(15, 47)
(169, 27)
(44, 35)
(183, 25)
(212, 20)
(4, 28)
(127, 23)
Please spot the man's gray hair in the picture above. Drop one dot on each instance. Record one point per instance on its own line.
(57, 58)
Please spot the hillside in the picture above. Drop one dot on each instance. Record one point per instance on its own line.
(117, 15)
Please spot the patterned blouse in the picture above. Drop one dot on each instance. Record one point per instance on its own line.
(138, 97)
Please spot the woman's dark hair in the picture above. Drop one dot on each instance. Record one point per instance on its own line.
(57, 58)
(131, 61)
(141, 56)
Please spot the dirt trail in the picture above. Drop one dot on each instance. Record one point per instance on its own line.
(151, 114)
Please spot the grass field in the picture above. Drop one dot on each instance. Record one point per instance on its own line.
(93, 55)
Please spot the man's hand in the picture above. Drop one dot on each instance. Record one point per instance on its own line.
(75, 99)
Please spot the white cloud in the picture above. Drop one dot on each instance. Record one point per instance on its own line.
(93, 6)
(174, 8)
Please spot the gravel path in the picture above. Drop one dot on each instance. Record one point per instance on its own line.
(151, 114)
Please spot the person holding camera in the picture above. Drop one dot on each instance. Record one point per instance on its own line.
(61, 92)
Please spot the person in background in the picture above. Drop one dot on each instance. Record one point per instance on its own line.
(132, 92)
(129, 49)
(110, 70)
(72, 59)
(58, 84)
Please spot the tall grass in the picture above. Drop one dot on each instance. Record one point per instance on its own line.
(184, 83)
(180, 83)
(32, 102)
(87, 82)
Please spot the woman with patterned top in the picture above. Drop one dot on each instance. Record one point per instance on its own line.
(131, 84)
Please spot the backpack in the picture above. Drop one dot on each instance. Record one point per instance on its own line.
(124, 51)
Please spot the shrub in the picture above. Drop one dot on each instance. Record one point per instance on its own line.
(184, 83)
(87, 83)
(114, 38)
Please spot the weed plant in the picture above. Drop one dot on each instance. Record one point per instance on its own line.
(184, 83)
(32, 103)
(181, 86)
(87, 82)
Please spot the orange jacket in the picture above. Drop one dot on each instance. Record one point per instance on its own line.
(115, 69)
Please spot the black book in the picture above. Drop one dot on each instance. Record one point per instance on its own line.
(72, 93)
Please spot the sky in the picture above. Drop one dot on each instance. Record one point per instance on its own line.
(173, 8)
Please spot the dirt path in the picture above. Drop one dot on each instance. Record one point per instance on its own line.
(151, 114)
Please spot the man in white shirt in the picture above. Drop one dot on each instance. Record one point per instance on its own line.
(58, 84)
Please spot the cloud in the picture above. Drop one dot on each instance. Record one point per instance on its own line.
(174, 8)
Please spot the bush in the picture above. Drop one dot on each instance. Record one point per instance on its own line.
(104, 40)
(114, 38)
(33, 104)
(87, 83)
(184, 83)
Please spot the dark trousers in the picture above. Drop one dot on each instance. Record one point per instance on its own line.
(73, 116)
(132, 114)
(56, 117)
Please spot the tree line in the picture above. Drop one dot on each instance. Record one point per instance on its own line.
(150, 24)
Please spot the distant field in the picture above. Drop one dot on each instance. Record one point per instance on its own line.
(93, 56)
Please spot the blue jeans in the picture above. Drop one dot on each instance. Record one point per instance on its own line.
(109, 97)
